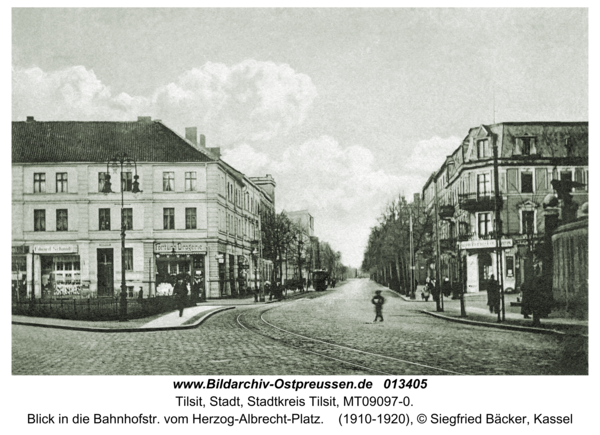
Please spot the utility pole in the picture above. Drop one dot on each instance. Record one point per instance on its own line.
(498, 222)
(438, 284)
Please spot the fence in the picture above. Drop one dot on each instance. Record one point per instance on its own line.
(92, 309)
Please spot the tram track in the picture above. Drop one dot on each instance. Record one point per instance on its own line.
(375, 363)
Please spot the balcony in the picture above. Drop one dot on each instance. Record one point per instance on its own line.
(474, 202)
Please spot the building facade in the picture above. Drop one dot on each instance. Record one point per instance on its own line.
(195, 214)
(530, 155)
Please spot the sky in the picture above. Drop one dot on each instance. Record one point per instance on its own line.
(346, 108)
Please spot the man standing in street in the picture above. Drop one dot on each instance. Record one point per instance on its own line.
(180, 292)
(378, 301)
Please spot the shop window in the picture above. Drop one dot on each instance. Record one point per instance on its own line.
(39, 182)
(528, 220)
(168, 218)
(62, 220)
(127, 216)
(65, 279)
(104, 219)
(526, 182)
(168, 181)
(484, 223)
(510, 266)
(61, 182)
(190, 218)
(128, 259)
(39, 220)
(190, 181)
(126, 181)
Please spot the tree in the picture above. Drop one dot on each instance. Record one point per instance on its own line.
(278, 232)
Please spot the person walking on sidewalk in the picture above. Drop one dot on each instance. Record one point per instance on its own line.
(493, 295)
(426, 292)
(180, 292)
(378, 301)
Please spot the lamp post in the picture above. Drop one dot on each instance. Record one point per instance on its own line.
(122, 160)
(300, 244)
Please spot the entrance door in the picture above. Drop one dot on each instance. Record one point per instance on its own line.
(485, 269)
(105, 273)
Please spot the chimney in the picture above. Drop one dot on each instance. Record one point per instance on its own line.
(191, 134)
(203, 141)
(30, 119)
(216, 151)
(144, 118)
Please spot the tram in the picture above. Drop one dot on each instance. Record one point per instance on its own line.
(320, 279)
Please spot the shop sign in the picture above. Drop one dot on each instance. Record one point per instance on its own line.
(55, 249)
(180, 248)
(481, 244)
(16, 250)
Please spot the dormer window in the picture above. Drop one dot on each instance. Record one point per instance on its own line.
(526, 145)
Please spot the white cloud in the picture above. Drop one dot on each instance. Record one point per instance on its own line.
(428, 155)
(245, 102)
(341, 186)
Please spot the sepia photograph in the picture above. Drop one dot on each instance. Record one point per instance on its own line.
(289, 192)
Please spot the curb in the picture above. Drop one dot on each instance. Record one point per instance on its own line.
(164, 328)
(500, 325)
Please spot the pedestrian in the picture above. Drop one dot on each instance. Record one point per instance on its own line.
(493, 295)
(446, 287)
(378, 301)
(425, 293)
(141, 293)
(180, 292)
(526, 297)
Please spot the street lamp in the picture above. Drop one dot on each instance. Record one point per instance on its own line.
(122, 160)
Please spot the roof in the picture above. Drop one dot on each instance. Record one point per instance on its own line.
(95, 141)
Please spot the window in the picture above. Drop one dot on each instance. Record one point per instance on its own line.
(485, 224)
(61, 182)
(528, 221)
(190, 218)
(527, 145)
(126, 181)
(483, 148)
(62, 220)
(104, 219)
(510, 266)
(190, 181)
(128, 259)
(39, 220)
(484, 186)
(526, 182)
(168, 181)
(566, 175)
(102, 178)
(39, 182)
(127, 218)
(169, 218)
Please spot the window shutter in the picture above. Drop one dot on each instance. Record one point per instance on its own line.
(540, 179)
(511, 175)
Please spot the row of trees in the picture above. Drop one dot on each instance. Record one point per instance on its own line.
(285, 242)
(387, 257)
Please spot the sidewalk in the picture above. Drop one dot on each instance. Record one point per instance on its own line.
(192, 317)
(478, 314)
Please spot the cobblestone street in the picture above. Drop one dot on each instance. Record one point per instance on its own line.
(408, 342)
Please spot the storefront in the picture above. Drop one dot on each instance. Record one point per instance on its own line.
(179, 259)
(481, 263)
(19, 272)
(55, 271)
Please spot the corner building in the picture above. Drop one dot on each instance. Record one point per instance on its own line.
(195, 214)
(530, 156)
